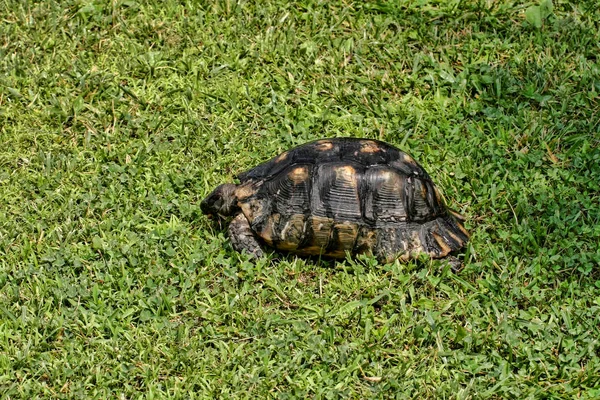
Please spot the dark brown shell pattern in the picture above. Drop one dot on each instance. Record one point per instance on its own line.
(335, 196)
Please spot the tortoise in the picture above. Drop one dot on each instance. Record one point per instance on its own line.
(331, 197)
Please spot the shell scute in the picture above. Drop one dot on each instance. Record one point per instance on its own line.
(291, 232)
(342, 240)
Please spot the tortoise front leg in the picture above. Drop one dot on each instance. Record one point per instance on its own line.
(243, 238)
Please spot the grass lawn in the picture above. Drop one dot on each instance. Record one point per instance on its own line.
(118, 117)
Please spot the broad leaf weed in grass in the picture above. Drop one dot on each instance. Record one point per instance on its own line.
(117, 118)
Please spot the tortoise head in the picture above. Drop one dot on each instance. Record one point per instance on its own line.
(221, 202)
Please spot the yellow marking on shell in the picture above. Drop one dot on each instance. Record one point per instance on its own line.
(442, 243)
(267, 231)
(346, 173)
(424, 190)
(459, 222)
(408, 159)
(438, 195)
(321, 231)
(368, 146)
(385, 175)
(456, 238)
(463, 230)
(347, 233)
(292, 233)
(324, 145)
(251, 209)
(321, 224)
(458, 216)
(298, 175)
(415, 242)
(281, 157)
(244, 191)
(366, 241)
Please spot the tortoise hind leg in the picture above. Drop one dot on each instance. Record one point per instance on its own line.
(243, 238)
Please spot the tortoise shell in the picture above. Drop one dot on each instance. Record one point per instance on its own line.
(334, 196)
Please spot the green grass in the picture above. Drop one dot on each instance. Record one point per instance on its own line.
(117, 118)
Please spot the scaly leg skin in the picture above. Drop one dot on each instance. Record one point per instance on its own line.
(243, 238)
